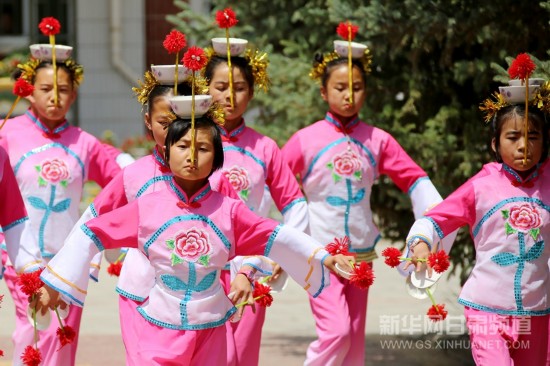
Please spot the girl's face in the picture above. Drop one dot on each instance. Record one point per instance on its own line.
(185, 173)
(512, 144)
(220, 92)
(42, 99)
(158, 118)
(336, 92)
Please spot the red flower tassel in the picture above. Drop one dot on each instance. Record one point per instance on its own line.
(30, 282)
(362, 276)
(437, 312)
(339, 246)
(49, 26)
(1, 353)
(226, 18)
(393, 256)
(522, 67)
(262, 294)
(439, 261)
(194, 59)
(22, 88)
(31, 356)
(115, 268)
(174, 41)
(66, 335)
(347, 30)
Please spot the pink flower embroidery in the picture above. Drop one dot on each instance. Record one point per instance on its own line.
(239, 179)
(346, 164)
(191, 245)
(53, 171)
(524, 218)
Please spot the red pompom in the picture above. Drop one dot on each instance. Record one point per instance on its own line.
(344, 29)
(362, 276)
(522, 67)
(194, 59)
(392, 255)
(49, 26)
(30, 282)
(22, 88)
(1, 353)
(65, 335)
(115, 268)
(437, 312)
(262, 294)
(339, 246)
(31, 356)
(439, 261)
(174, 41)
(226, 18)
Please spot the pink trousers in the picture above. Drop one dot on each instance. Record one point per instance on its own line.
(245, 336)
(48, 344)
(340, 313)
(505, 340)
(167, 347)
(127, 314)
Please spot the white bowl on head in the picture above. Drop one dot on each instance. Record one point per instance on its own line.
(35, 50)
(165, 74)
(237, 46)
(516, 94)
(181, 105)
(357, 49)
(62, 52)
(532, 81)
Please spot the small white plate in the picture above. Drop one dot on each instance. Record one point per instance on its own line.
(279, 284)
(42, 321)
(344, 274)
(63, 313)
(418, 293)
(111, 255)
(422, 280)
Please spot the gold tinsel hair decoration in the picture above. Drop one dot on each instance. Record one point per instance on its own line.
(319, 68)
(258, 62)
(150, 82)
(496, 102)
(28, 70)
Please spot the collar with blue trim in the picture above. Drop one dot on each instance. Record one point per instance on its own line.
(46, 132)
(517, 180)
(339, 126)
(233, 135)
(164, 167)
(195, 200)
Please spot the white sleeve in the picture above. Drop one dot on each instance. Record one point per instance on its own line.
(22, 248)
(301, 257)
(296, 215)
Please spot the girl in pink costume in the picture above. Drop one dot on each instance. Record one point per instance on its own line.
(506, 295)
(188, 232)
(337, 169)
(252, 161)
(148, 174)
(51, 161)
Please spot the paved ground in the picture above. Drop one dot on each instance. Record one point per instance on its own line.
(397, 333)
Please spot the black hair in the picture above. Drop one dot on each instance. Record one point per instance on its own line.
(179, 127)
(43, 64)
(184, 88)
(236, 61)
(331, 65)
(536, 119)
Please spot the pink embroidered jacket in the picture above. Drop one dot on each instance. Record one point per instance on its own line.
(337, 167)
(51, 168)
(509, 221)
(188, 241)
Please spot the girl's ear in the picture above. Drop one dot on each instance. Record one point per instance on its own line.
(324, 94)
(494, 145)
(147, 120)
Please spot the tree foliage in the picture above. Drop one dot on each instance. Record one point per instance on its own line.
(433, 63)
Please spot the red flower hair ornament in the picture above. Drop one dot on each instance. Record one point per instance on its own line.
(339, 246)
(439, 261)
(31, 356)
(362, 276)
(174, 41)
(347, 30)
(22, 89)
(114, 268)
(65, 335)
(195, 58)
(437, 312)
(392, 256)
(262, 294)
(49, 26)
(30, 282)
(522, 67)
(226, 18)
